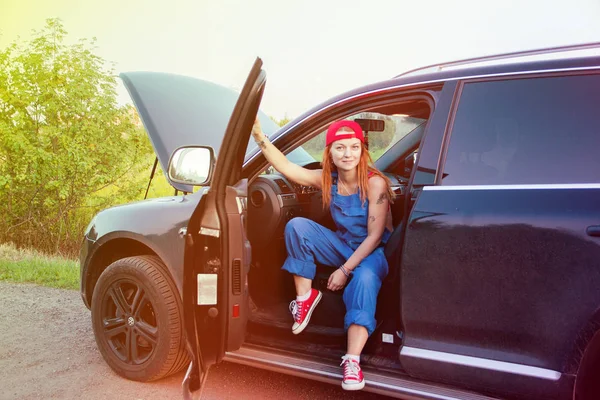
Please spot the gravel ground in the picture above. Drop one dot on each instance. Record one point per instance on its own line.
(48, 351)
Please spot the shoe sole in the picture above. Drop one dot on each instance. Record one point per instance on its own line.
(353, 386)
(307, 319)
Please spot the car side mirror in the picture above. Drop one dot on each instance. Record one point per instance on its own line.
(192, 165)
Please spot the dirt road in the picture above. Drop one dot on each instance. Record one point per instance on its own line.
(48, 351)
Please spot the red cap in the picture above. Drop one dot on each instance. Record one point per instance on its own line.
(333, 134)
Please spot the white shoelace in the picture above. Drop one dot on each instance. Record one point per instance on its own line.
(295, 309)
(351, 368)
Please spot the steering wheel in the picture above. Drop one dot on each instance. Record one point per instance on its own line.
(313, 165)
(274, 200)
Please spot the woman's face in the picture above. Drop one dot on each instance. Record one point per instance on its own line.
(346, 153)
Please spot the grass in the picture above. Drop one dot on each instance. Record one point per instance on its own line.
(24, 265)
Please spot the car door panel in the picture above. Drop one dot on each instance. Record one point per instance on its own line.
(499, 280)
(217, 250)
(544, 264)
(527, 308)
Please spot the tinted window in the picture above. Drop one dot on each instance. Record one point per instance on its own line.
(526, 131)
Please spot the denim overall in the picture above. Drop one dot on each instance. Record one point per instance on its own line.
(308, 243)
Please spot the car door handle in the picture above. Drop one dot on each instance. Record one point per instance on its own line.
(593, 230)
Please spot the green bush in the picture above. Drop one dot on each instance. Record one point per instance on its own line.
(67, 149)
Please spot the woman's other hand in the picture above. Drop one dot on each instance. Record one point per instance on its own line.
(337, 280)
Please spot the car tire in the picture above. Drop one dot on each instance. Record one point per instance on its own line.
(137, 317)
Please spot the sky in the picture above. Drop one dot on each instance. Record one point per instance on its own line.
(311, 49)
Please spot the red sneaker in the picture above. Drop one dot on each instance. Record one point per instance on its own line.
(302, 310)
(353, 376)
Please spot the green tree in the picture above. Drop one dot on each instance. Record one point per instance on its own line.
(66, 147)
(283, 121)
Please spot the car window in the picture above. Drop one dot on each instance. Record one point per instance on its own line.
(300, 156)
(526, 131)
(395, 127)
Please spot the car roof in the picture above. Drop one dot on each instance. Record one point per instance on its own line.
(557, 52)
(560, 58)
(501, 68)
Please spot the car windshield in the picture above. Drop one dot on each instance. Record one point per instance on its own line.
(300, 156)
(394, 127)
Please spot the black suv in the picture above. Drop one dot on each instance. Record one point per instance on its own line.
(494, 282)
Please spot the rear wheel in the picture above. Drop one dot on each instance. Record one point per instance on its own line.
(137, 317)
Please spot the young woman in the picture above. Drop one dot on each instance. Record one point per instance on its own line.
(358, 196)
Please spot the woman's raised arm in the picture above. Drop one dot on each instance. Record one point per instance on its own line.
(278, 160)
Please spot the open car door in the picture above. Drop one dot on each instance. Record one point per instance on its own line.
(217, 251)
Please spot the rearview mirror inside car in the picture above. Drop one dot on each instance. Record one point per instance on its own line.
(191, 165)
(371, 125)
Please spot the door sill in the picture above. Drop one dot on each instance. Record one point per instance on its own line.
(377, 382)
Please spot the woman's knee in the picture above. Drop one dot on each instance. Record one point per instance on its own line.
(297, 226)
(366, 278)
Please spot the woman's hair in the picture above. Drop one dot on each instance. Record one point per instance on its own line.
(365, 168)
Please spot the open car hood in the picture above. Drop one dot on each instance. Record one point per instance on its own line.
(183, 111)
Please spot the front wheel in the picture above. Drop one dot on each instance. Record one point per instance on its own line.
(137, 317)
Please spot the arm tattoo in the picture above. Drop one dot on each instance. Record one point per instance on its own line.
(262, 144)
(381, 198)
(372, 218)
